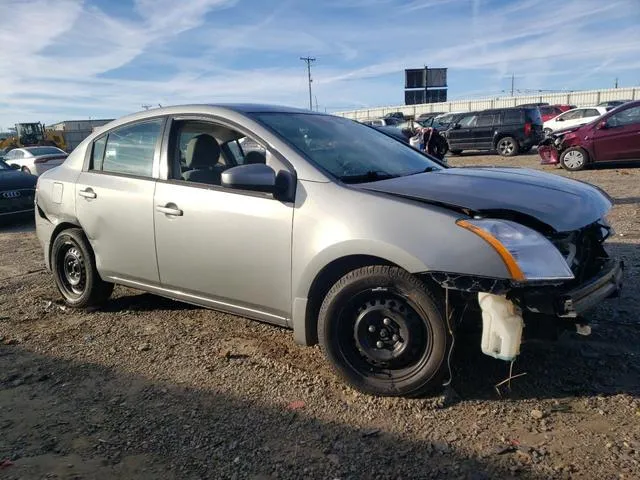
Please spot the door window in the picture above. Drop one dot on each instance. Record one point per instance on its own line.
(572, 115)
(201, 151)
(468, 121)
(130, 149)
(630, 116)
(591, 112)
(488, 119)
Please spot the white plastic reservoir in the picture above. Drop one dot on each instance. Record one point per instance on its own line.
(502, 326)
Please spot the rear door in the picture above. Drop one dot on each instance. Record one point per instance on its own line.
(620, 139)
(114, 201)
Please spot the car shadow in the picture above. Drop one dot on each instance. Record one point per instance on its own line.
(614, 165)
(144, 302)
(94, 421)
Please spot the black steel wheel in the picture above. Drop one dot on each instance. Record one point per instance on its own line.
(75, 272)
(382, 330)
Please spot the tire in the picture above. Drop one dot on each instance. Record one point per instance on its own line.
(26, 170)
(507, 147)
(574, 159)
(74, 271)
(390, 307)
(456, 151)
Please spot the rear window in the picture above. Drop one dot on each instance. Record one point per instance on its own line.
(533, 116)
(44, 151)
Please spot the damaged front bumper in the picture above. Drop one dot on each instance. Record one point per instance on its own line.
(572, 301)
(549, 155)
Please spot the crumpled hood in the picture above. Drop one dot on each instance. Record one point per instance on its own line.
(13, 179)
(561, 203)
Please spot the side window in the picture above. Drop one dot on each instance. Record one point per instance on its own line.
(10, 155)
(485, 120)
(468, 121)
(630, 116)
(130, 150)
(97, 155)
(591, 112)
(572, 114)
(201, 151)
(512, 116)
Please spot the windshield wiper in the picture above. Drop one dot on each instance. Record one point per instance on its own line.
(370, 176)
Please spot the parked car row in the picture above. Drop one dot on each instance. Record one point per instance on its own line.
(610, 137)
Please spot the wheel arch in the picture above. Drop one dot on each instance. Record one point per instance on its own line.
(66, 225)
(323, 282)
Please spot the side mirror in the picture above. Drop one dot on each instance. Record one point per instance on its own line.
(257, 177)
(559, 119)
(602, 125)
(456, 126)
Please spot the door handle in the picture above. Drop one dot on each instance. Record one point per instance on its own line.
(173, 211)
(87, 193)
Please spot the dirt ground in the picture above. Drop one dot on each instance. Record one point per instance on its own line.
(148, 388)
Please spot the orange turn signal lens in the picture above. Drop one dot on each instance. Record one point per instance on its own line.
(507, 258)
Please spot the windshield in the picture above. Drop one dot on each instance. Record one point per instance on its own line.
(348, 150)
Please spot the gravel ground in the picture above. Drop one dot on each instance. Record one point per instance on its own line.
(149, 388)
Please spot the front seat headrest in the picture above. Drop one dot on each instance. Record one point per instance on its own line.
(203, 151)
(255, 156)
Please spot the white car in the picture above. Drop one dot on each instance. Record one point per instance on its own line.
(35, 160)
(573, 118)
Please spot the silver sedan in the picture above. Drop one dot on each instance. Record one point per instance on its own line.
(35, 160)
(348, 236)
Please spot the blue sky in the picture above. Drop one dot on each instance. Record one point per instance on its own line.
(68, 59)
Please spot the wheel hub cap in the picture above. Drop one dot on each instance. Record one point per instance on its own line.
(574, 159)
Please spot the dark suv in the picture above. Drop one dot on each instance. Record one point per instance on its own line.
(509, 131)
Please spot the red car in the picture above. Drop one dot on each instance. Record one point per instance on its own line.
(551, 111)
(614, 136)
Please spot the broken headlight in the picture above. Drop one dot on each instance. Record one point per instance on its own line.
(527, 254)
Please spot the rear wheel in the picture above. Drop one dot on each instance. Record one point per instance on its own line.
(383, 332)
(74, 270)
(574, 159)
(507, 147)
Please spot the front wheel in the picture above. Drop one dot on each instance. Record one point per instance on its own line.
(383, 332)
(74, 270)
(573, 159)
(25, 170)
(507, 146)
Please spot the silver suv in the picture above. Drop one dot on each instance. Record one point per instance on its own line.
(348, 236)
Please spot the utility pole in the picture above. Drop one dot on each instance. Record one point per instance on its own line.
(513, 82)
(616, 85)
(316, 99)
(309, 60)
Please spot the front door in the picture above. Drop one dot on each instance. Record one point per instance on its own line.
(114, 202)
(620, 139)
(460, 135)
(230, 249)
(483, 132)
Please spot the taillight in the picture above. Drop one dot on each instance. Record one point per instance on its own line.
(527, 129)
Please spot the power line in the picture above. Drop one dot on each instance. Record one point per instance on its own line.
(309, 60)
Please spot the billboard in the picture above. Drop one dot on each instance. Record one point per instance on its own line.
(436, 77)
(436, 95)
(414, 97)
(415, 78)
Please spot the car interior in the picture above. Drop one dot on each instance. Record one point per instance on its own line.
(201, 151)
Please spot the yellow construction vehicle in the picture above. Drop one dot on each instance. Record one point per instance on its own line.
(33, 134)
